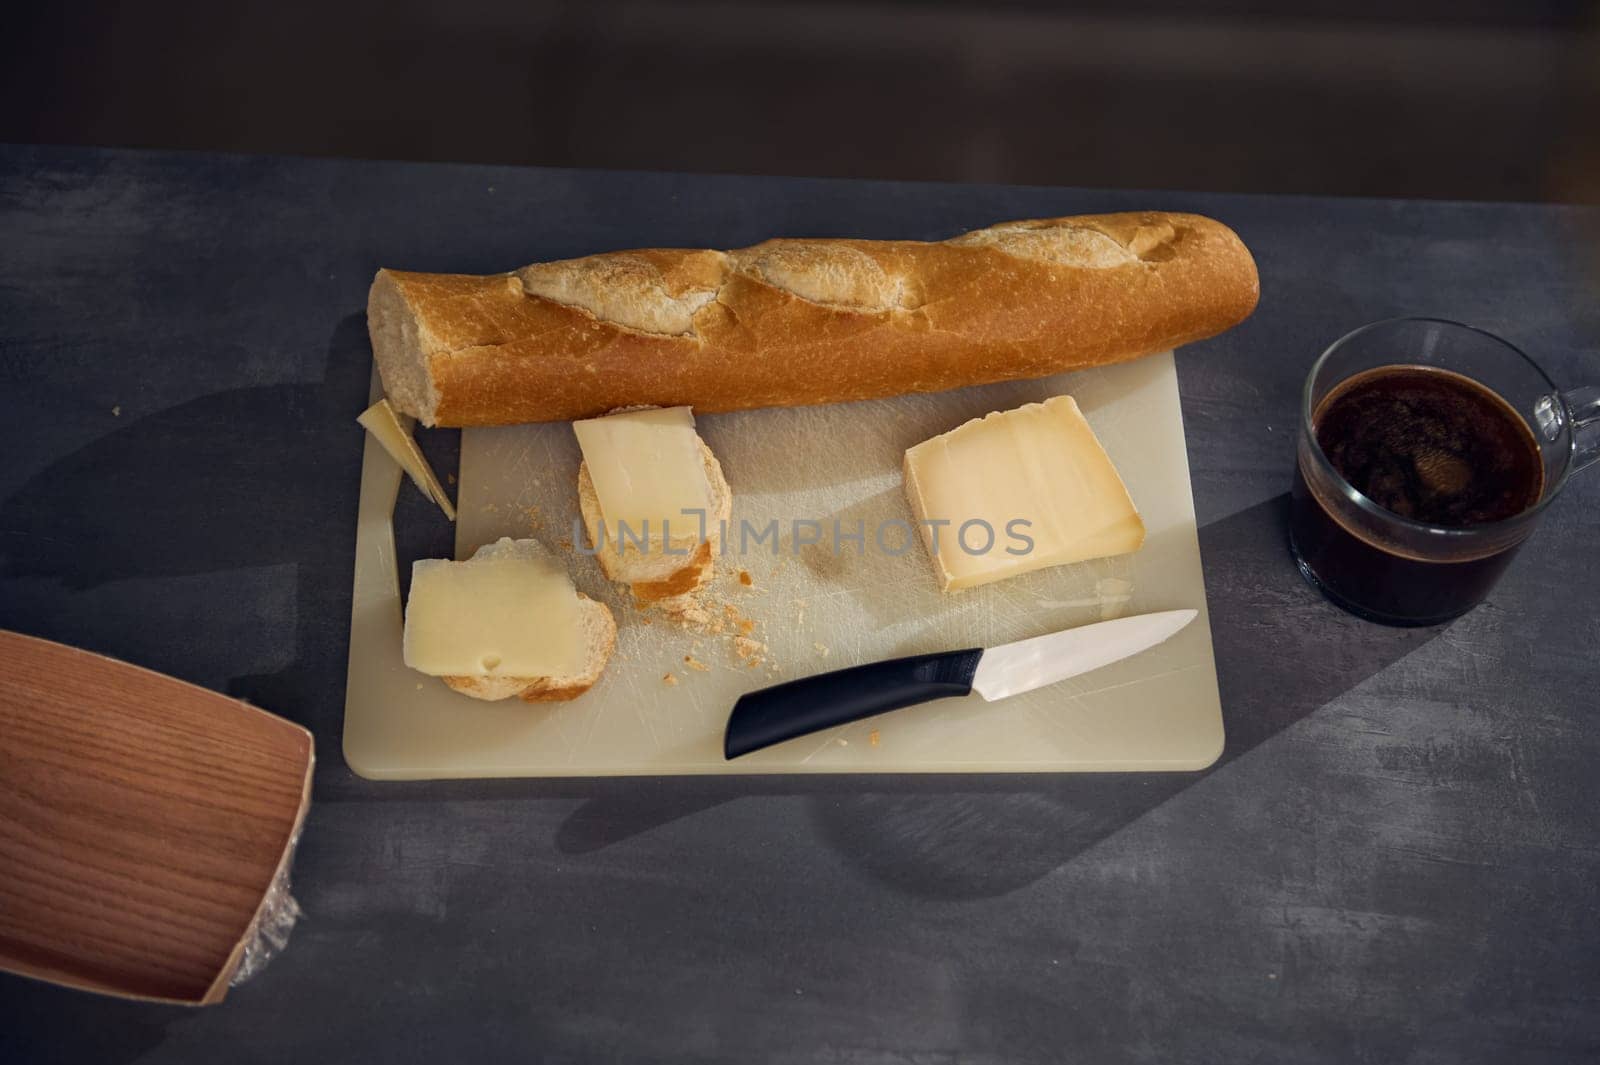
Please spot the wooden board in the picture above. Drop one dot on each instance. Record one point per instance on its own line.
(142, 821)
(813, 608)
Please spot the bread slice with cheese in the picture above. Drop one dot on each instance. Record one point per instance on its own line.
(656, 577)
(592, 627)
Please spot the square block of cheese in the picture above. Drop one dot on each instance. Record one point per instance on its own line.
(1017, 491)
(647, 472)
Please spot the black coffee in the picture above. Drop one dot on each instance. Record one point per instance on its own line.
(1428, 445)
(1431, 446)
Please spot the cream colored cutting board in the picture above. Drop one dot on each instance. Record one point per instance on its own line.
(813, 609)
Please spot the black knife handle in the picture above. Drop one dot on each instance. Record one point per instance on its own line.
(811, 704)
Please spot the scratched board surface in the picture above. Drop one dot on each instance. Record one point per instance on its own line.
(782, 608)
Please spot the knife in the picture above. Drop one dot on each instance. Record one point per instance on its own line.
(800, 707)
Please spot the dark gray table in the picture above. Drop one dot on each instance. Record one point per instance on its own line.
(1397, 858)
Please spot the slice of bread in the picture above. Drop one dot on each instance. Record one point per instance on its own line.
(655, 577)
(598, 639)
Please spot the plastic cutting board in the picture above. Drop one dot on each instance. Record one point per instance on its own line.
(812, 608)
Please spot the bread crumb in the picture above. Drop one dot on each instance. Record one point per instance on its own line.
(531, 516)
(116, 412)
(695, 664)
(670, 679)
(646, 621)
(843, 742)
(873, 738)
(749, 650)
(566, 543)
(746, 626)
(450, 477)
(745, 578)
(686, 609)
(821, 649)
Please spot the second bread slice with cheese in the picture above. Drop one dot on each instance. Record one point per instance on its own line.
(642, 470)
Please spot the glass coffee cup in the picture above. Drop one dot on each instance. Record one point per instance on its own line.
(1426, 454)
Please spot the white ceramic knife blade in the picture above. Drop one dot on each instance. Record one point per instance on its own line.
(1014, 668)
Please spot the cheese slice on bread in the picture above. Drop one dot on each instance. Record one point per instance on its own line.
(654, 502)
(506, 622)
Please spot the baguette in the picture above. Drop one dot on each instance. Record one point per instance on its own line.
(796, 322)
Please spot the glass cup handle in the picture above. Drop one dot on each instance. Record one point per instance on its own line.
(1584, 405)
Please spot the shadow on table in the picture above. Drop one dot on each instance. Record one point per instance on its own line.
(234, 481)
(1282, 652)
(121, 1031)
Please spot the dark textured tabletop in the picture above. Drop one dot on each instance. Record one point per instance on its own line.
(1397, 858)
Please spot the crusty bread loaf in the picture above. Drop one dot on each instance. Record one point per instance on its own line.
(793, 322)
(656, 577)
